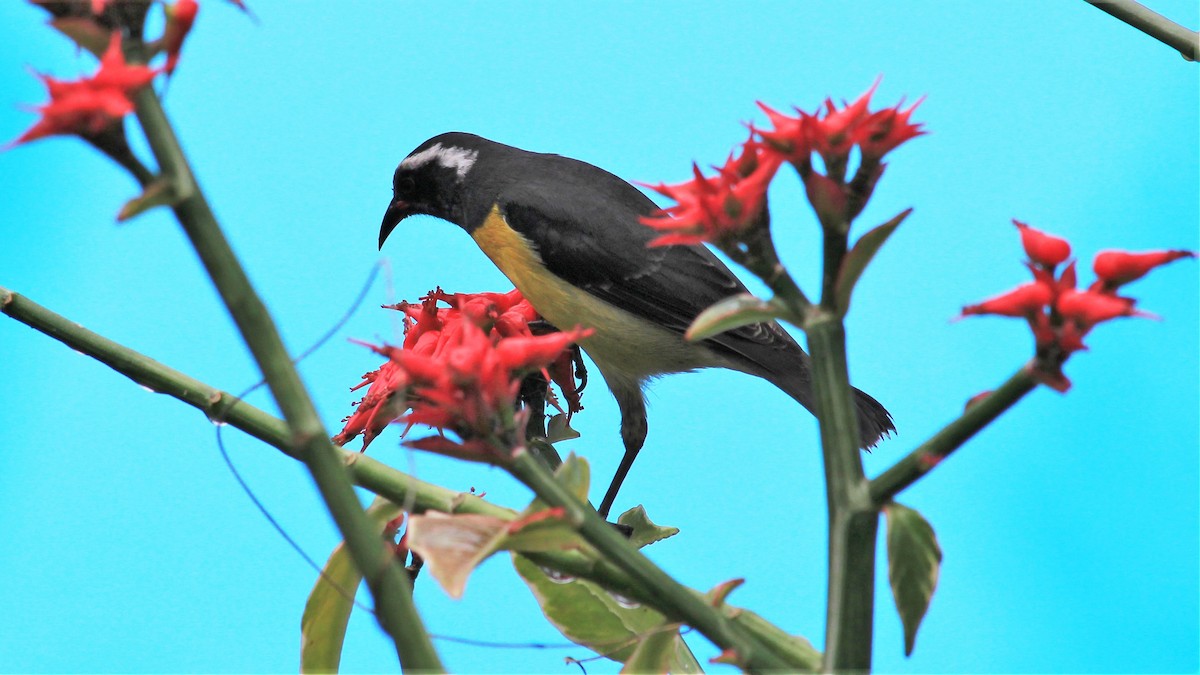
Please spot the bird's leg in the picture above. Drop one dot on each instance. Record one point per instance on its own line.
(633, 434)
(533, 397)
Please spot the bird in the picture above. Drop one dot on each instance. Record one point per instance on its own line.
(567, 234)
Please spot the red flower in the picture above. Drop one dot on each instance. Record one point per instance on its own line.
(718, 207)
(471, 387)
(1044, 249)
(836, 131)
(89, 105)
(790, 137)
(883, 131)
(1115, 268)
(180, 18)
(459, 369)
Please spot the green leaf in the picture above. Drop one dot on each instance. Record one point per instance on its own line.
(611, 625)
(859, 256)
(914, 559)
(662, 651)
(733, 312)
(797, 651)
(645, 532)
(559, 429)
(454, 545)
(323, 625)
(161, 192)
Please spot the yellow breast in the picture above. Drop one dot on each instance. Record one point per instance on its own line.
(622, 342)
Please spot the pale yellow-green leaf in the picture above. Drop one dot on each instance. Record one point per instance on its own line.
(453, 545)
(559, 429)
(733, 312)
(645, 532)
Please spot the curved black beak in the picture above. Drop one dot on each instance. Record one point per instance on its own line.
(397, 211)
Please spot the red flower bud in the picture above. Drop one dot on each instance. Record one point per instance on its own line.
(1022, 301)
(1042, 248)
(1122, 267)
(1090, 308)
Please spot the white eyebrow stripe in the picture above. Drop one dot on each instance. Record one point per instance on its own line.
(453, 157)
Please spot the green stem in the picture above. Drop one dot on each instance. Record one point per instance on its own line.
(387, 582)
(1153, 24)
(836, 242)
(929, 454)
(853, 519)
(674, 600)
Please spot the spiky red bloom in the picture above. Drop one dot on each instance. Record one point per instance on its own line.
(459, 369)
(884, 130)
(1115, 268)
(90, 104)
(834, 131)
(1044, 249)
(719, 207)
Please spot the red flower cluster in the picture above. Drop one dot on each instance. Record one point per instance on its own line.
(709, 209)
(460, 369)
(89, 105)
(1058, 314)
(835, 132)
(724, 206)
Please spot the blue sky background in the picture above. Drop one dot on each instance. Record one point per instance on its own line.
(1070, 527)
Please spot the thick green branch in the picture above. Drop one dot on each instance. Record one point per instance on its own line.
(853, 520)
(388, 584)
(1153, 24)
(927, 455)
(674, 600)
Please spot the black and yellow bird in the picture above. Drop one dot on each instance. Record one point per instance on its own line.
(567, 235)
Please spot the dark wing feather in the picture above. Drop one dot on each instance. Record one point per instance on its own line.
(599, 246)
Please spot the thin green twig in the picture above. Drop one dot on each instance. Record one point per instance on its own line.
(929, 454)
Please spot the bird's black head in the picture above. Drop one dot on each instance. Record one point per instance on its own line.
(429, 181)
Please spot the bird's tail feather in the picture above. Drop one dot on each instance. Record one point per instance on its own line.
(874, 421)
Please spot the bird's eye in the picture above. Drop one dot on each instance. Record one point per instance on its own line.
(405, 185)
